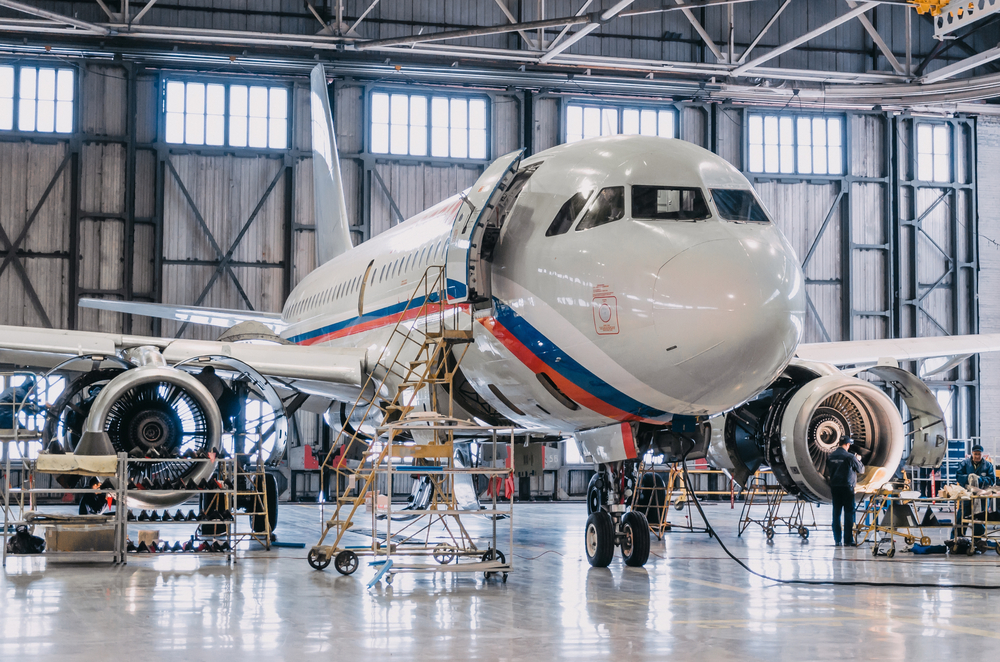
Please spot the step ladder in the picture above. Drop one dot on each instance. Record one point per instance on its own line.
(421, 356)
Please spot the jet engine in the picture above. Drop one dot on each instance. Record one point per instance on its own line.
(151, 411)
(795, 425)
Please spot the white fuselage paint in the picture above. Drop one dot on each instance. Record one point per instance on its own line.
(634, 320)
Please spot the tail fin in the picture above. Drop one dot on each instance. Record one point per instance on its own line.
(333, 234)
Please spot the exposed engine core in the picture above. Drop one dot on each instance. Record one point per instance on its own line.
(795, 425)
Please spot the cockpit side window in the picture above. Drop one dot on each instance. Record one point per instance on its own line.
(669, 203)
(607, 207)
(567, 214)
(739, 205)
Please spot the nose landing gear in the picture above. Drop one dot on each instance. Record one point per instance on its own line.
(605, 531)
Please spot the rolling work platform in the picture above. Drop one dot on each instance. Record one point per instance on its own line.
(780, 510)
(417, 367)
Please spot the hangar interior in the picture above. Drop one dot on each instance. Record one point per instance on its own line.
(161, 152)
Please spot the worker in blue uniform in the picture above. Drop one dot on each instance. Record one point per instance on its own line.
(978, 466)
(842, 470)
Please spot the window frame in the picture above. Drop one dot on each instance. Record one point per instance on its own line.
(17, 65)
(620, 106)
(429, 93)
(795, 116)
(226, 81)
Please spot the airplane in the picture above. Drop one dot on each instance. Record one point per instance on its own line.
(631, 293)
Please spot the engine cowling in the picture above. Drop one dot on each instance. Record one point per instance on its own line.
(795, 426)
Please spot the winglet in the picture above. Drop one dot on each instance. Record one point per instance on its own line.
(333, 234)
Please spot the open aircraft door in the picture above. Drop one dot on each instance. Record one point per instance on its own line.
(475, 232)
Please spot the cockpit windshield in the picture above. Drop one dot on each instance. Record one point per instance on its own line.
(669, 203)
(739, 205)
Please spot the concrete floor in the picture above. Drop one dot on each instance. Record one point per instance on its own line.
(690, 601)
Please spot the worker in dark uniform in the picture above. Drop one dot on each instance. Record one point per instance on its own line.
(985, 476)
(843, 469)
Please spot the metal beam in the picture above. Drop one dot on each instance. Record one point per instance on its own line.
(142, 12)
(563, 32)
(364, 14)
(977, 60)
(809, 36)
(877, 38)
(471, 32)
(700, 29)
(524, 35)
(760, 35)
(107, 11)
(54, 17)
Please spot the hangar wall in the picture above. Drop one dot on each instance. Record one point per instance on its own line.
(112, 210)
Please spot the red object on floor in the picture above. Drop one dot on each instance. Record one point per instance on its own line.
(68, 498)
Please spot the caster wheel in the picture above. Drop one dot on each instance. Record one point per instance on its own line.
(770, 534)
(497, 555)
(804, 532)
(388, 579)
(909, 540)
(679, 505)
(505, 578)
(444, 554)
(971, 551)
(875, 549)
(926, 540)
(317, 559)
(346, 562)
(891, 553)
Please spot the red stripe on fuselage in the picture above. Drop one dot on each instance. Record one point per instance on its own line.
(406, 315)
(536, 365)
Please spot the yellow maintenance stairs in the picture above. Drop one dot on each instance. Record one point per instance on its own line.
(413, 373)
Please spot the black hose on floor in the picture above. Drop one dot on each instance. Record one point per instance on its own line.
(814, 582)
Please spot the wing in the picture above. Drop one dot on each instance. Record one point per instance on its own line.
(320, 365)
(947, 350)
(223, 317)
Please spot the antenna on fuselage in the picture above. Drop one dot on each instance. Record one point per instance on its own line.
(333, 233)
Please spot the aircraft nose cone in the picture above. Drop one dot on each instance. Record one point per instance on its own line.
(729, 315)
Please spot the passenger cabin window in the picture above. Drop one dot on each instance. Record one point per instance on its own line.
(567, 214)
(607, 207)
(739, 205)
(669, 203)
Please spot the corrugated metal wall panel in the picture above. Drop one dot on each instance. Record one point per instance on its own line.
(349, 119)
(694, 125)
(506, 124)
(867, 133)
(547, 124)
(102, 178)
(729, 135)
(101, 110)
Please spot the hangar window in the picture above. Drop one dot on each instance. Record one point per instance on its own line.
(933, 152)
(423, 124)
(44, 97)
(795, 144)
(218, 114)
(591, 121)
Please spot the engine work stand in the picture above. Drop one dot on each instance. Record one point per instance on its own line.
(798, 517)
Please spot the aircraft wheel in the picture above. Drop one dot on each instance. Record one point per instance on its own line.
(317, 559)
(346, 562)
(444, 554)
(635, 545)
(600, 539)
(595, 494)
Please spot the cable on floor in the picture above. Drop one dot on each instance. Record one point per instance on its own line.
(815, 582)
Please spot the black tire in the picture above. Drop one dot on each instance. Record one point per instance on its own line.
(635, 544)
(346, 562)
(595, 494)
(492, 555)
(271, 496)
(317, 561)
(599, 539)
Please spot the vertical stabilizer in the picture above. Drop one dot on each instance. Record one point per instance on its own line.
(333, 234)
